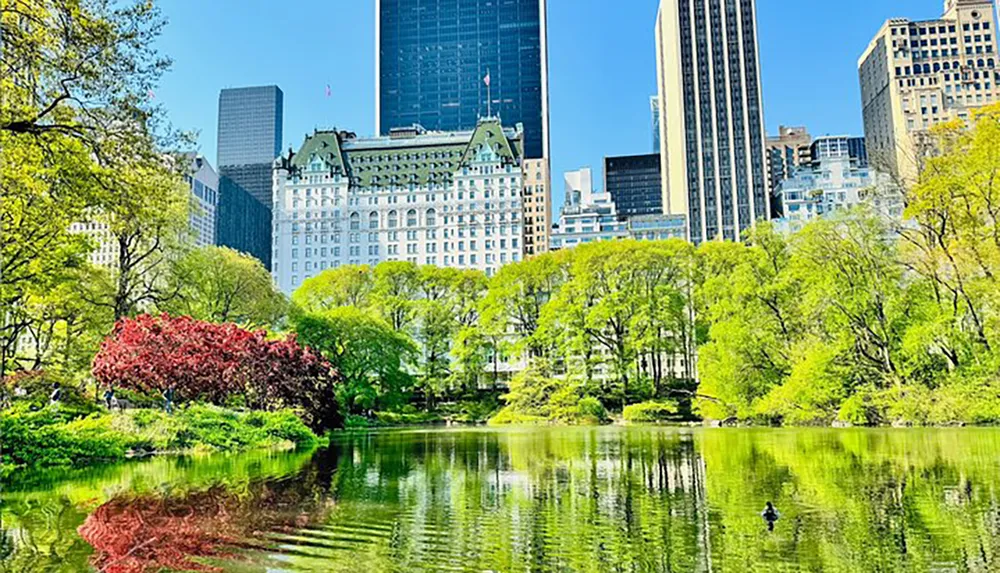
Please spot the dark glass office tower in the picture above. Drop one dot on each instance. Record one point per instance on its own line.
(250, 131)
(634, 184)
(434, 55)
(712, 119)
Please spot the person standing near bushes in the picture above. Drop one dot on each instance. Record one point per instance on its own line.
(168, 395)
(56, 394)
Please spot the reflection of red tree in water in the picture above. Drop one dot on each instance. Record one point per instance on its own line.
(135, 535)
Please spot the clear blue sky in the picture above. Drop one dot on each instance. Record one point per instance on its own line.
(601, 67)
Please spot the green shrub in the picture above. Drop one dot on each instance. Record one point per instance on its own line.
(646, 412)
(354, 422)
(404, 419)
(42, 438)
(508, 416)
(283, 425)
(591, 411)
(53, 436)
(38, 387)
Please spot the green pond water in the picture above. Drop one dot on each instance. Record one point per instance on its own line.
(548, 499)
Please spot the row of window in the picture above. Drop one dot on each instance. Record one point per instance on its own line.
(411, 248)
(942, 29)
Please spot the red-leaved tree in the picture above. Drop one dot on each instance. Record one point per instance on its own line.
(209, 361)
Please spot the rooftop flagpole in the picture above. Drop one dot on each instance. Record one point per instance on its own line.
(489, 96)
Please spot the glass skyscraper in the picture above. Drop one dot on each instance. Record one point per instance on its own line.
(711, 119)
(249, 140)
(434, 57)
(634, 184)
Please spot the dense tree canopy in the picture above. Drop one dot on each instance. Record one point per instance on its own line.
(218, 284)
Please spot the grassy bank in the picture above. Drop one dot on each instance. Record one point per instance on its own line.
(63, 436)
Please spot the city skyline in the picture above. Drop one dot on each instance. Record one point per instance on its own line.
(601, 86)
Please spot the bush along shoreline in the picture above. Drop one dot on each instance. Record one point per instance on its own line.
(60, 435)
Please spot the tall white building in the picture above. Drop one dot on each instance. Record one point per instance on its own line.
(916, 74)
(586, 216)
(204, 183)
(451, 199)
(711, 116)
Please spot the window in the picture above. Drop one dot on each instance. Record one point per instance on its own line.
(430, 218)
(411, 218)
(355, 221)
(393, 221)
(373, 220)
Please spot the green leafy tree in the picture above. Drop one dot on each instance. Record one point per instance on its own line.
(749, 298)
(394, 289)
(76, 121)
(372, 358)
(342, 286)
(218, 284)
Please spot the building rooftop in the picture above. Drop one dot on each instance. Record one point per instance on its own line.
(407, 156)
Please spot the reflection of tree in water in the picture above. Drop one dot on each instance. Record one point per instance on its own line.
(569, 499)
(149, 533)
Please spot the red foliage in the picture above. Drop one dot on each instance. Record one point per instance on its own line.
(149, 534)
(212, 361)
(171, 532)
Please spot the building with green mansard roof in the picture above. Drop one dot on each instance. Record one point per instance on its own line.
(450, 199)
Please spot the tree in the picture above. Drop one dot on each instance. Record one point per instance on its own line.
(517, 294)
(76, 120)
(81, 70)
(749, 298)
(218, 284)
(853, 288)
(145, 217)
(370, 356)
(342, 286)
(42, 191)
(394, 288)
(955, 239)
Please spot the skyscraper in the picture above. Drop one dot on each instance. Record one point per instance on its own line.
(915, 75)
(443, 64)
(249, 138)
(633, 181)
(711, 116)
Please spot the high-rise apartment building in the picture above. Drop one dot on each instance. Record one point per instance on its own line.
(838, 177)
(840, 146)
(786, 151)
(249, 139)
(536, 201)
(916, 74)
(633, 181)
(451, 199)
(711, 116)
(443, 64)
